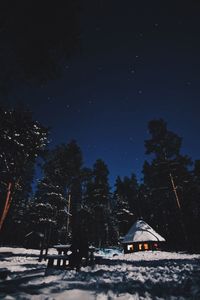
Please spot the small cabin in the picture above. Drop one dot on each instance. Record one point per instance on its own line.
(142, 237)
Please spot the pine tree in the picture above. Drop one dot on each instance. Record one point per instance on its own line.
(165, 179)
(60, 191)
(50, 211)
(191, 195)
(125, 198)
(22, 140)
(15, 226)
(97, 203)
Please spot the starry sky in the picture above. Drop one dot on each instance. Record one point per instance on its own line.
(138, 60)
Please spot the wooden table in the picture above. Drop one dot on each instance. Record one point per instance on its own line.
(61, 259)
(62, 249)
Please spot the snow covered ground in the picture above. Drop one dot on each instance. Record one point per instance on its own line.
(142, 275)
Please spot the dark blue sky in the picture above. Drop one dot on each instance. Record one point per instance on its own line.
(136, 62)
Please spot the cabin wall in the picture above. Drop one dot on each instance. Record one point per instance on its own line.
(142, 246)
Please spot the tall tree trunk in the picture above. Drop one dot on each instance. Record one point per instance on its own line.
(6, 206)
(182, 224)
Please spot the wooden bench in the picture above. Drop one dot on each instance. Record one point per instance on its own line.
(64, 260)
(58, 261)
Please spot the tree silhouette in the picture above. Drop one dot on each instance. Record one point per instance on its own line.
(165, 178)
(36, 38)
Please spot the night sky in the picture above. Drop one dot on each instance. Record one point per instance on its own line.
(138, 60)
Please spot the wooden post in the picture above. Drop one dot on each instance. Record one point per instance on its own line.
(175, 191)
(69, 207)
(179, 207)
(42, 245)
(7, 205)
(48, 240)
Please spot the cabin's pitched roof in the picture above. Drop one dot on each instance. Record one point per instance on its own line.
(142, 232)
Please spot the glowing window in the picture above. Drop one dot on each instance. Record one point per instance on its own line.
(146, 246)
(130, 247)
(140, 246)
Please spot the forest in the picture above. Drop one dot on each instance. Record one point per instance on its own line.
(71, 199)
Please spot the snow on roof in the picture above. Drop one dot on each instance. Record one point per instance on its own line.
(142, 232)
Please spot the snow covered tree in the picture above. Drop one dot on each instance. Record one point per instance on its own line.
(125, 198)
(85, 210)
(97, 203)
(22, 140)
(15, 225)
(131, 192)
(62, 185)
(49, 212)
